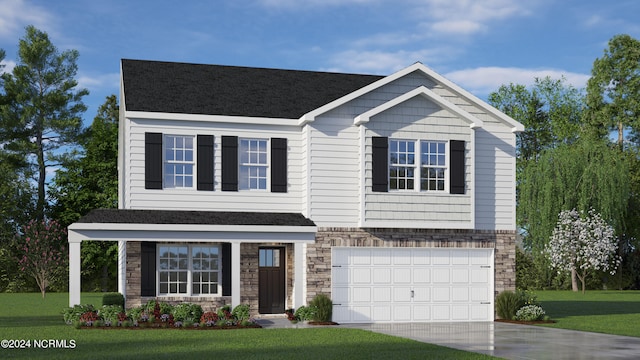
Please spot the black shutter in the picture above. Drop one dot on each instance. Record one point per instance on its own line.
(205, 162)
(152, 160)
(229, 163)
(456, 180)
(278, 165)
(147, 268)
(380, 163)
(226, 269)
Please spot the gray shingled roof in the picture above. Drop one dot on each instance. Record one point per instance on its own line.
(121, 216)
(169, 87)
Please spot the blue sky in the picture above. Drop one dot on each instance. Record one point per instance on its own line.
(479, 44)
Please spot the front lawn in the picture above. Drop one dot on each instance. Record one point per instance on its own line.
(609, 312)
(29, 317)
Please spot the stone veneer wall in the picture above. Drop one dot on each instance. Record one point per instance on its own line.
(319, 253)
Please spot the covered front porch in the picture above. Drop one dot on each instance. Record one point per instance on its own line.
(146, 228)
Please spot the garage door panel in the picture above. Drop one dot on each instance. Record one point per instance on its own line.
(382, 276)
(460, 276)
(361, 276)
(402, 294)
(408, 284)
(421, 257)
(441, 276)
(421, 275)
(382, 257)
(361, 295)
(382, 294)
(402, 257)
(421, 294)
(402, 275)
(402, 313)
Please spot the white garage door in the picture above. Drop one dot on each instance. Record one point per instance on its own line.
(411, 285)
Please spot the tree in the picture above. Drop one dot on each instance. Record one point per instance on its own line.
(87, 182)
(613, 90)
(42, 252)
(589, 174)
(42, 113)
(582, 243)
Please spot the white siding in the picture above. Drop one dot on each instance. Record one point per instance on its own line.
(419, 119)
(191, 199)
(495, 178)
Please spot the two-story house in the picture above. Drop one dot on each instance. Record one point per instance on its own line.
(394, 195)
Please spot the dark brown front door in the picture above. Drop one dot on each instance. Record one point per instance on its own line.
(271, 281)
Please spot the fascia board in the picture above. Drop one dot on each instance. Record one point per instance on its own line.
(193, 228)
(211, 118)
(473, 121)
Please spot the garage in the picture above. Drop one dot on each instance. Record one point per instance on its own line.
(412, 284)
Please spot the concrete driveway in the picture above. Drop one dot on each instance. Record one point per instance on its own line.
(503, 340)
(512, 341)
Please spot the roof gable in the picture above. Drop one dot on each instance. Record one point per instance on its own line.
(515, 126)
(168, 87)
(473, 121)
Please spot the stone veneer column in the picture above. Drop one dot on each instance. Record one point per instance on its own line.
(133, 274)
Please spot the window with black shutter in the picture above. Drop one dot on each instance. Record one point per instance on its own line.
(380, 163)
(205, 162)
(229, 163)
(278, 165)
(152, 160)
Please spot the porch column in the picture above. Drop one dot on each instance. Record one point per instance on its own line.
(299, 275)
(74, 270)
(235, 274)
(122, 268)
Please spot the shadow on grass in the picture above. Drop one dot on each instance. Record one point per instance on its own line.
(31, 321)
(561, 309)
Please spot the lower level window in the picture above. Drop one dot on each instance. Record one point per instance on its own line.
(189, 270)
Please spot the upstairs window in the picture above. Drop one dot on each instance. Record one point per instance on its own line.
(253, 164)
(408, 158)
(178, 161)
(432, 165)
(402, 156)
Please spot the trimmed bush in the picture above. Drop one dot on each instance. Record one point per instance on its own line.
(187, 312)
(113, 298)
(110, 313)
(305, 313)
(530, 313)
(507, 304)
(324, 308)
(72, 314)
(241, 312)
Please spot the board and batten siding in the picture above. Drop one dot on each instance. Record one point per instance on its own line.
(191, 199)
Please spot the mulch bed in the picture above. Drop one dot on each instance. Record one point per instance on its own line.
(537, 322)
(322, 323)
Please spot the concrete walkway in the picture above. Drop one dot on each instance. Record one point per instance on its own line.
(503, 340)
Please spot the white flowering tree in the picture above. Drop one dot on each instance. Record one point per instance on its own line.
(582, 243)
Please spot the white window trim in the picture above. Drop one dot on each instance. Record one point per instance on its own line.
(189, 271)
(417, 167)
(267, 166)
(193, 162)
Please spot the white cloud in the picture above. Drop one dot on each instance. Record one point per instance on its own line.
(483, 80)
(102, 81)
(8, 66)
(310, 3)
(15, 15)
(383, 62)
(466, 17)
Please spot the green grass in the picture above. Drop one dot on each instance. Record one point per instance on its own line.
(28, 316)
(609, 312)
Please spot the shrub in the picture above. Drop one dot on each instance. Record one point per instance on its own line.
(305, 313)
(527, 297)
(209, 318)
(187, 312)
(241, 312)
(324, 308)
(113, 298)
(135, 313)
(224, 312)
(110, 313)
(72, 314)
(530, 313)
(88, 318)
(507, 304)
